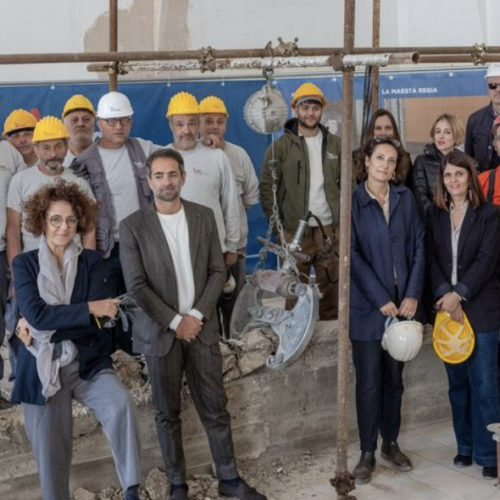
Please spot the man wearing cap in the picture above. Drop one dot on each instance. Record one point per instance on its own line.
(18, 128)
(50, 138)
(79, 117)
(308, 180)
(214, 118)
(209, 178)
(11, 162)
(115, 167)
(478, 138)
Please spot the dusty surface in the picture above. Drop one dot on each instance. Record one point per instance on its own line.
(277, 479)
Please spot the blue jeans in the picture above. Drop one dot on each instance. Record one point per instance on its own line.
(379, 392)
(474, 400)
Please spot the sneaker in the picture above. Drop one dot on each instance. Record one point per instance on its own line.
(366, 465)
(391, 452)
(132, 493)
(243, 491)
(490, 472)
(462, 461)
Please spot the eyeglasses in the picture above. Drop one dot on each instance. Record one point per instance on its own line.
(112, 122)
(493, 86)
(56, 221)
(378, 139)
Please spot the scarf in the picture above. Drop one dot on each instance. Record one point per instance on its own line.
(55, 287)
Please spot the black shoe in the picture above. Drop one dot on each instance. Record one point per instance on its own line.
(179, 493)
(462, 461)
(490, 472)
(243, 491)
(366, 465)
(132, 493)
(391, 452)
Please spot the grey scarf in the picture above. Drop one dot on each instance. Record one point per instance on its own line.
(55, 287)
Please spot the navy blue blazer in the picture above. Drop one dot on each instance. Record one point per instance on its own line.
(71, 322)
(477, 262)
(377, 249)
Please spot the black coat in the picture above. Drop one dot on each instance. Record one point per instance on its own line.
(479, 139)
(425, 175)
(477, 263)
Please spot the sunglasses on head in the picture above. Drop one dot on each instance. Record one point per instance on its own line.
(493, 86)
(378, 139)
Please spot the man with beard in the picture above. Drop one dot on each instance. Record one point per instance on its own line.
(18, 128)
(79, 117)
(308, 180)
(50, 138)
(209, 180)
(478, 138)
(174, 269)
(115, 167)
(214, 118)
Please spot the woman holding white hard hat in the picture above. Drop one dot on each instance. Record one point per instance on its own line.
(387, 278)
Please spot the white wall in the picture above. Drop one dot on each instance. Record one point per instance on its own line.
(28, 26)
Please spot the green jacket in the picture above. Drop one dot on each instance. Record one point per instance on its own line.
(293, 175)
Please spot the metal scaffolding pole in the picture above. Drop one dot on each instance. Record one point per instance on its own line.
(376, 44)
(442, 55)
(113, 41)
(344, 480)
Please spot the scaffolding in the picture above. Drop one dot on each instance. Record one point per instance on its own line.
(288, 55)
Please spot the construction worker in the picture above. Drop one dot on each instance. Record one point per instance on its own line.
(18, 128)
(11, 162)
(308, 180)
(79, 117)
(50, 138)
(214, 117)
(209, 178)
(115, 168)
(478, 138)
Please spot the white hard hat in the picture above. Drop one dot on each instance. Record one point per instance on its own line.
(493, 70)
(402, 339)
(114, 105)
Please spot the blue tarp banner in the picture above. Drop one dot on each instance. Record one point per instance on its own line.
(150, 100)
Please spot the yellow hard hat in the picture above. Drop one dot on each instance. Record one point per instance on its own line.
(452, 341)
(212, 104)
(78, 102)
(183, 104)
(50, 128)
(308, 90)
(19, 119)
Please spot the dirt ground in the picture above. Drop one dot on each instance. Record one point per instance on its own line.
(281, 479)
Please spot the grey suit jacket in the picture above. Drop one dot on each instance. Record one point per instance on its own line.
(150, 275)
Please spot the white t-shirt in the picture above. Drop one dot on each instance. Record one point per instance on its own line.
(246, 183)
(317, 197)
(25, 184)
(11, 162)
(176, 232)
(120, 176)
(210, 182)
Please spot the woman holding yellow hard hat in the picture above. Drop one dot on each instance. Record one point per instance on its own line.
(463, 232)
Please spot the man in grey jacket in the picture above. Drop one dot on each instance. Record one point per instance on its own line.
(174, 268)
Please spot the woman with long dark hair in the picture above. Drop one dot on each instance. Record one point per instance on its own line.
(463, 233)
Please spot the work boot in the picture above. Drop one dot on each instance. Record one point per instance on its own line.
(366, 465)
(392, 453)
(242, 491)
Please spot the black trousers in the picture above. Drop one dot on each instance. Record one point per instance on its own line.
(379, 392)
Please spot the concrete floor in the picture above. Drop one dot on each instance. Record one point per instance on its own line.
(431, 449)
